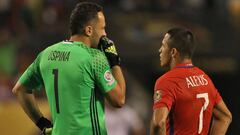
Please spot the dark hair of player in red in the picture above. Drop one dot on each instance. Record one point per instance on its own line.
(182, 40)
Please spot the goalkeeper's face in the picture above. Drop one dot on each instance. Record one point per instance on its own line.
(98, 29)
(165, 53)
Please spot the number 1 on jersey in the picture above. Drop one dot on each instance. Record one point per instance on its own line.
(55, 73)
(204, 107)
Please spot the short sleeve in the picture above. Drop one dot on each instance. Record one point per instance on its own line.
(102, 73)
(32, 78)
(163, 94)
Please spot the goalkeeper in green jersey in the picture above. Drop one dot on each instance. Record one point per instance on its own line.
(78, 75)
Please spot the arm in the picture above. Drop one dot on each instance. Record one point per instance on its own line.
(159, 121)
(30, 107)
(116, 97)
(222, 118)
(31, 79)
(28, 102)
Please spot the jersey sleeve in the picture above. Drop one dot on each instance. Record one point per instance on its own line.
(32, 78)
(163, 94)
(102, 73)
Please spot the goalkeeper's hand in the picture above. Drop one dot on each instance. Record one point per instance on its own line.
(45, 126)
(107, 46)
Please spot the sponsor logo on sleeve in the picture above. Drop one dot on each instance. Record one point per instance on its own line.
(157, 96)
(109, 78)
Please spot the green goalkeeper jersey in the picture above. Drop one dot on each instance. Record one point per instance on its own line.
(76, 79)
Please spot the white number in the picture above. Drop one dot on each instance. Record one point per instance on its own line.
(205, 96)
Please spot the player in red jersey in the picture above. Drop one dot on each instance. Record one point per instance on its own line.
(185, 98)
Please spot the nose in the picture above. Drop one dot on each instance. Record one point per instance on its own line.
(160, 51)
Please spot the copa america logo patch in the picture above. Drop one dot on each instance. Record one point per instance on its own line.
(109, 77)
(157, 96)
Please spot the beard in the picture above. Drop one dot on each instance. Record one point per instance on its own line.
(94, 41)
(167, 65)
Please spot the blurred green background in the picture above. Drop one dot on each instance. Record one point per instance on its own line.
(136, 26)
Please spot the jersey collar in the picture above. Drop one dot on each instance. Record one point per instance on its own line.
(184, 65)
(68, 41)
(74, 42)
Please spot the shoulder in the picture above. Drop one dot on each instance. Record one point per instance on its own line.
(204, 73)
(166, 80)
(96, 54)
(168, 76)
(48, 49)
(199, 70)
(51, 47)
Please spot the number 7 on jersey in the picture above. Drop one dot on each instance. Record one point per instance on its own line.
(205, 105)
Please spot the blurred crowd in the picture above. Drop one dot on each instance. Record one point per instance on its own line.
(24, 27)
(136, 26)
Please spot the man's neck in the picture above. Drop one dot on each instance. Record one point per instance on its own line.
(176, 62)
(79, 38)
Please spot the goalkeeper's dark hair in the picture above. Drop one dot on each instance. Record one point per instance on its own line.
(82, 14)
(183, 40)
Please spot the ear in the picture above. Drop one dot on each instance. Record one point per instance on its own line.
(174, 53)
(88, 30)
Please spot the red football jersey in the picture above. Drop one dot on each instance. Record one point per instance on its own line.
(190, 96)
